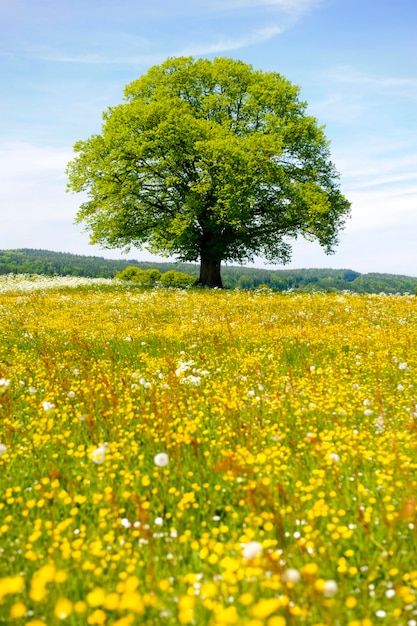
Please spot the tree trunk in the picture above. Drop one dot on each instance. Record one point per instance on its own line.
(210, 273)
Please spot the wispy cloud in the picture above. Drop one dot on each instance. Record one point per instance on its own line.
(220, 44)
(380, 180)
(227, 44)
(349, 75)
(244, 23)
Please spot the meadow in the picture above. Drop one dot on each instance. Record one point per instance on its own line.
(206, 457)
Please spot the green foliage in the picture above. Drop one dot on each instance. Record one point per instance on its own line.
(138, 275)
(210, 161)
(26, 261)
(173, 278)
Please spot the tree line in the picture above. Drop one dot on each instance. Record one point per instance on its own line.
(49, 263)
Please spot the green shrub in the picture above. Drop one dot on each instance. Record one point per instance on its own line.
(137, 275)
(172, 278)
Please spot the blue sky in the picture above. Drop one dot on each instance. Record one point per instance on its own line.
(63, 62)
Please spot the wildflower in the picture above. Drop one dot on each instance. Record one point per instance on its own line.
(17, 610)
(47, 406)
(266, 607)
(63, 608)
(99, 454)
(191, 380)
(125, 523)
(96, 597)
(161, 459)
(329, 588)
(3, 449)
(291, 575)
(334, 457)
(402, 366)
(4, 383)
(252, 550)
(158, 521)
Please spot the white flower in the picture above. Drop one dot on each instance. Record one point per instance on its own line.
(291, 576)
(330, 588)
(159, 521)
(99, 454)
(4, 383)
(3, 449)
(252, 550)
(334, 457)
(125, 523)
(402, 366)
(380, 423)
(161, 459)
(183, 366)
(71, 394)
(48, 406)
(191, 380)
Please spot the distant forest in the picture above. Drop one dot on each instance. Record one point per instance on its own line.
(28, 261)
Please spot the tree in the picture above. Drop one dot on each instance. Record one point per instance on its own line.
(211, 161)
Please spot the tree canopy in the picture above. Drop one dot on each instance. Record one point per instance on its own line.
(209, 161)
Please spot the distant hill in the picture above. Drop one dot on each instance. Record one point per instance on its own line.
(28, 261)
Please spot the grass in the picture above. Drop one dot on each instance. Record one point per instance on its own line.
(260, 460)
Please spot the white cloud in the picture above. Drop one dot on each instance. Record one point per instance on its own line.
(404, 87)
(244, 23)
(32, 182)
(225, 44)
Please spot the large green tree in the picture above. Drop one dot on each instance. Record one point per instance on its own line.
(211, 161)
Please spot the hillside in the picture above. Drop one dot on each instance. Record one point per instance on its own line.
(29, 261)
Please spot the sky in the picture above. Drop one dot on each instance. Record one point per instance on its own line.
(64, 62)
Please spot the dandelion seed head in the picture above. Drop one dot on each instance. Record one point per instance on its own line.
(161, 459)
(252, 549)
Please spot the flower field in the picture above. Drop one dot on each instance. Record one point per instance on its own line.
(206, 458)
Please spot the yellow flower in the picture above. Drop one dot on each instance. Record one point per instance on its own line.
(98, 617)
(11, 584)
(277, 620)
(124, 621)
(227, 615)
(80, 607)
(17, 610)
(112, 602)
(266, 607)
(310, 569)
(208, 590)
(132, 600)
(186, 609)
(96, 597)
(63, 608)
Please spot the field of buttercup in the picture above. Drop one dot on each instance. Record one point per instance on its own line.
(207, 458)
